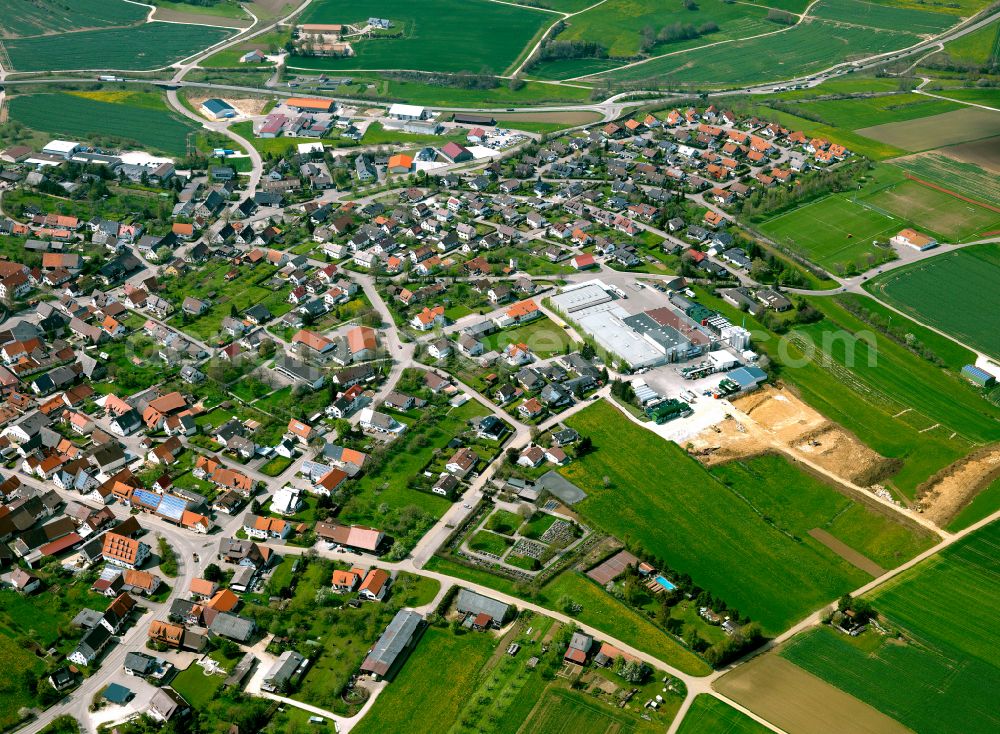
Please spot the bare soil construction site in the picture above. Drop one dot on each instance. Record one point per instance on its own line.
(774, 418)
(942, 496)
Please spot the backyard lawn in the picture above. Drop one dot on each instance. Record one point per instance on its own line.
(542, 337)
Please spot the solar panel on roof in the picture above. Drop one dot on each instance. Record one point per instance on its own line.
(172, 507)
(145, 497)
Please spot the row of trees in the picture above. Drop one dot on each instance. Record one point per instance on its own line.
(763, 203)
(897, 333)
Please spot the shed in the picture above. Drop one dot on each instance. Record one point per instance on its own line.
(117, 693)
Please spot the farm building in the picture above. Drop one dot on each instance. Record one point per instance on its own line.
(310, 104)
(463, 119)
(64, 148)
(321, 29)
(253, 57)
(977, 376)
(391, 649)
(485, 612)
(408, 112)
(217, 109)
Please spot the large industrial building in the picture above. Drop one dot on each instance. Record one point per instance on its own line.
(648, 338)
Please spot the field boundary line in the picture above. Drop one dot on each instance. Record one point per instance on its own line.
(949, 192)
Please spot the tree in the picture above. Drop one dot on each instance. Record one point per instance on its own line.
(633, 671)
(844, 603)
(212, 573)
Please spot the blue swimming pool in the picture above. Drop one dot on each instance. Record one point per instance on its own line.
(665, 584)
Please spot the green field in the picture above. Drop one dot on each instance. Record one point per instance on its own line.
(570, 68)
(141, 118)
(13, 694)
(805, 48)
(936, 212)
(966, 179)
(709, 715)
(430, 688)
(415, 92)
(985, 96)
(958, 7)
(866, 111)
(767, 481)
(937, 131)
(885, 16)
(944, 290)
(782, 576)
(147, 46)
(249, 288)
(565, 712)
(835, 232)
(376, 134)
(390, 484)
(617, 25)
(944, 676)
(977, 48)
(894, 401)
(438, 35)
(22, 18)
(983, 505)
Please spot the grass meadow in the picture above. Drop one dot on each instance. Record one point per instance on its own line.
(13, 694)
(986, 96)
(542, 337)
(390, 483)
(709, 715)
(894, 401)
(141, 47)
(432, 685)
(196, 687)
(141, 117)
(373, 87)
(438, 35)
(806, 48)
(982, 505)
(249, 288)
(943, 676)
(885, 16)
(954, 292)
(691, 519)
(977, 47)
(617, 25)
(767, 482)
(867, 111)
